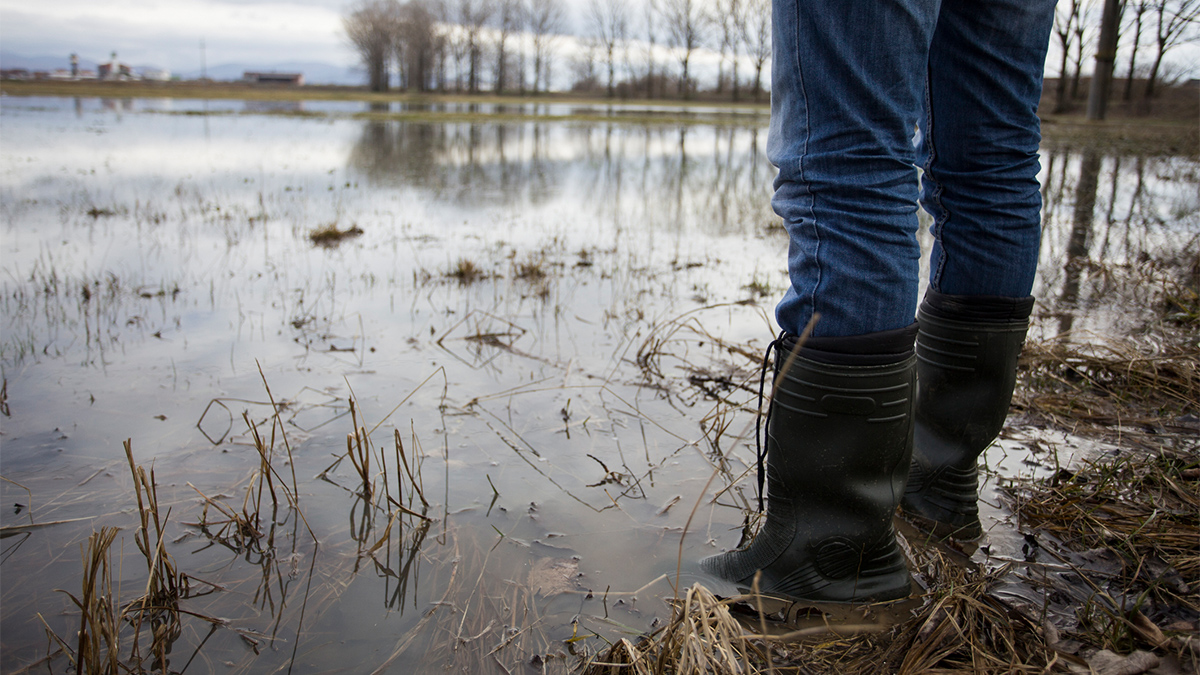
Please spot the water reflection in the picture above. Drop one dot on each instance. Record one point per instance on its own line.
(1113, 228)
(677, 179)
(276, 107)
(1081, 231)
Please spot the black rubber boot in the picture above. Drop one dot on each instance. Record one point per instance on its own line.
(839, 441)
(967, 349)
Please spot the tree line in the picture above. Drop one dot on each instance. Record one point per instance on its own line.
(647, 49)
(1147, 30)
(519, 46)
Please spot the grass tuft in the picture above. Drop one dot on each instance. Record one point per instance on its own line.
(466, 272)
(329, 236)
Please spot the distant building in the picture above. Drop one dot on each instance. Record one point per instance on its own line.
(115, 70)
(273, 78)
(156, 74)
(15, 74)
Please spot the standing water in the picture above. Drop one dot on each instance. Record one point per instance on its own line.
(409, 393)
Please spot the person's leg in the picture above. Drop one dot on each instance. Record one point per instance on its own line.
(848, 82)
(979, 151)
(847, 91)
(979, 147)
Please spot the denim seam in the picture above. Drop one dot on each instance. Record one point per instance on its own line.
(803, 163)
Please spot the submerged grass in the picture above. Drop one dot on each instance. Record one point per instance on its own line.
(1148, 377)
(961, 624)
(466, 272)
(134, 636)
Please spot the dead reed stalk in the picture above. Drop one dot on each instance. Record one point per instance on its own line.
(165, 586)
(701, 637)
(98, 647)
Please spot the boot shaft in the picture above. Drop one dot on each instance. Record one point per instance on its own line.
(966, 372)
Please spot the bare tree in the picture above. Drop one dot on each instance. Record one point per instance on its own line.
(649, 45)
(370, 28)
(1175, 24)
(1064, 29)
(727, 17)
(1138, 10)
(1084, 34)
(757, 36)
(685, 24)
(583, 65)
(473, 15)
(456, 42)
(508, 21)
(417, 43)
(546, 21)
(608, 23)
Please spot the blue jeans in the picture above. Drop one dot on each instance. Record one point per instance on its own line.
(851, 81)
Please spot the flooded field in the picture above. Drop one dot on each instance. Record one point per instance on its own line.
(357, 393)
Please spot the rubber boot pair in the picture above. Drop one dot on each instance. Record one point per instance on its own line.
(840, 439)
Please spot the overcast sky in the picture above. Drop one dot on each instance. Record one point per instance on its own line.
(167, 33)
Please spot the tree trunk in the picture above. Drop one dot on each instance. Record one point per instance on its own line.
(1106, 58)
(735, 76)
(1153, 77)
(1060, 92)
(378, 73)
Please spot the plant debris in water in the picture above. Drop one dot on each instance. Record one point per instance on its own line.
(330, 236)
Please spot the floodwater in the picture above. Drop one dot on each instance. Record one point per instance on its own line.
(558, 321)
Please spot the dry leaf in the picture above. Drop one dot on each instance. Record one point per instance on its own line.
(1105, 662)
(551, 576)
(1146, 630)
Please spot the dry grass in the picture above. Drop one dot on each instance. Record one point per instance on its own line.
(1143, 506)
(466, 272)
(98, 648)
(252, 528)
(532, 268)
(959, 627)
(1117, 382)
(702, 637)
(329, 236)
(1148, 377)
(135, 636)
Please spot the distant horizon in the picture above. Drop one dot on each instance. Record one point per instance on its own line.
(190, 37)
(315, 72)
(170, 34)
